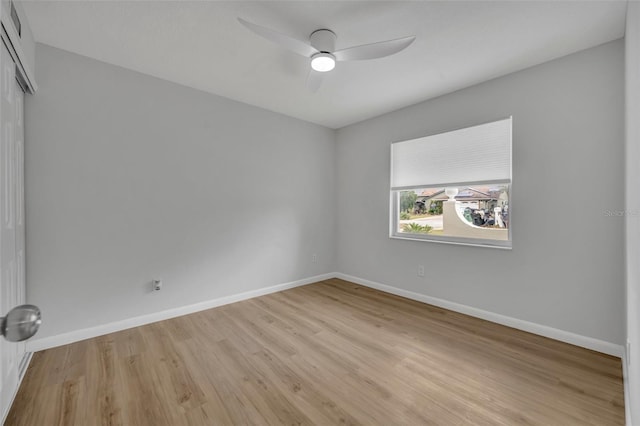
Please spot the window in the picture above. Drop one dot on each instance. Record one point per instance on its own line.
(454, 187)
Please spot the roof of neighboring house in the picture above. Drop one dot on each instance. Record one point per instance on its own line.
(430, 192)
(478, 193)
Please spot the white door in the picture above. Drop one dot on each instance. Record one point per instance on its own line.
(12, 270)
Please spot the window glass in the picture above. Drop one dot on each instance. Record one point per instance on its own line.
(479, 212)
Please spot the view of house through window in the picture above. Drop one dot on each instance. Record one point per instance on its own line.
(478, 211)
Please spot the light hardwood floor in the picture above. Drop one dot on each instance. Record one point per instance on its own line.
(326, 353)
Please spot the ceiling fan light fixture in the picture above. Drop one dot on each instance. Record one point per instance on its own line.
(323, 62)
(320, 49)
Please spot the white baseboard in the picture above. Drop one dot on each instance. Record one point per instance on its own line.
(29, 356)
(542, 330)
(627, 395)
(87, 333)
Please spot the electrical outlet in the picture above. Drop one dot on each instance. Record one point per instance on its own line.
(421, 270)
(157, 285)
(314, 258)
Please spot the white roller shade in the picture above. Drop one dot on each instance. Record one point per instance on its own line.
(476, 154)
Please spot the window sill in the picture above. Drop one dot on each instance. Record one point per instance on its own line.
(502, 245)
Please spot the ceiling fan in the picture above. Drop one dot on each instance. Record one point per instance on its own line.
(321, 49)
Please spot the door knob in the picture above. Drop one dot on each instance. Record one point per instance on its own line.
(21, 323)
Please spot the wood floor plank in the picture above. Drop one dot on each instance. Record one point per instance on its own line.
(332, 352)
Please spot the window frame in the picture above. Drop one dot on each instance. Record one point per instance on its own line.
(394, 207)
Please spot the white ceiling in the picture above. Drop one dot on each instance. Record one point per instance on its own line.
(201, 45)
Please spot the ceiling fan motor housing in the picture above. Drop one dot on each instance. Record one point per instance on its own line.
(323, 40)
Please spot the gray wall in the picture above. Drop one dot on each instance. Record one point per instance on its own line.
(130, 178)
(566, 268)
(632, 217)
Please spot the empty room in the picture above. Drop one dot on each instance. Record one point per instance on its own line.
(320, 212)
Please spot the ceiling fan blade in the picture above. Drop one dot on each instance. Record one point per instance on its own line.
(373, 50)
(314, 80)
(298, 46)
